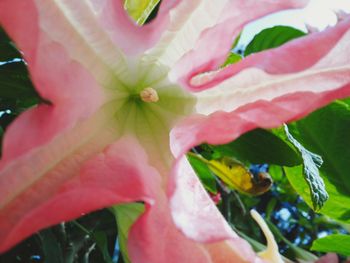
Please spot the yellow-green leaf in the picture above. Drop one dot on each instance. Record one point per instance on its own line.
(140, 10)
(126, 215)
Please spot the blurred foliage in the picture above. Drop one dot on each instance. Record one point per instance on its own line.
(333, 243)
(92, 238)
(83, 240)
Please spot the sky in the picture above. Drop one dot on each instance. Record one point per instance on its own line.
(318, 14)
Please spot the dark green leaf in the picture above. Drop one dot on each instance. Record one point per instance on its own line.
(102, 243)
(7, 49)
(15, 82)
(311, 163)
(204, 173)
(333, 243)
(8, 52)
(126, 215)
(260, 146)
(271, 38)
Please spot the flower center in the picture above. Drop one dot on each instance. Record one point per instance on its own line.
(149, 95)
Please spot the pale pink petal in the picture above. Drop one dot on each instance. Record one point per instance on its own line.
(209, 27)
(45, 147)
(64, 156)
(34, 179)
(154, 238)
(59, 77)
(119, 173)
(124, 32)
(304, 83)
(38, 26)
(257, 74)
(198, 218)
(296, 56)
(219, 128)
(226, 252)
(193, 212)
(301, 66)
(223, 127)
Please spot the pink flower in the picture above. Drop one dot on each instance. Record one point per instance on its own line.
(101, 142)
(216, 198)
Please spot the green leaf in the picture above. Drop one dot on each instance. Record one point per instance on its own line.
(326, 132)
(337, 206)
(203, 173)
(15, 82)
(337, 243)
(260, 146)
(102, 243)
(140, 10)
(271, 38)
(8, 50)
(126, 215)
(311, 163)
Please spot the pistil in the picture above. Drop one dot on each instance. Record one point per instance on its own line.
(149, 95)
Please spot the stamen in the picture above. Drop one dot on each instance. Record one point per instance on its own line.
(271, 253)
(149, 95)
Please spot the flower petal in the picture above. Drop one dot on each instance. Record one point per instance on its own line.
(154, 238)
(54, 52)
(32, 180)
(71, 26)
(328, 258)
(187, 196)
(208, 27)
(223, 127)
(315, 63)
(124, 32)
(198, 218)
(119, 173)
(267, 91)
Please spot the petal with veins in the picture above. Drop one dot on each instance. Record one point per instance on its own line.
(98, 143)
(268, 75)
(209, 26)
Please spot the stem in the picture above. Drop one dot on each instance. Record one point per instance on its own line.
(86, 231)
(88, 252)
(240, 203)
(226, 209)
